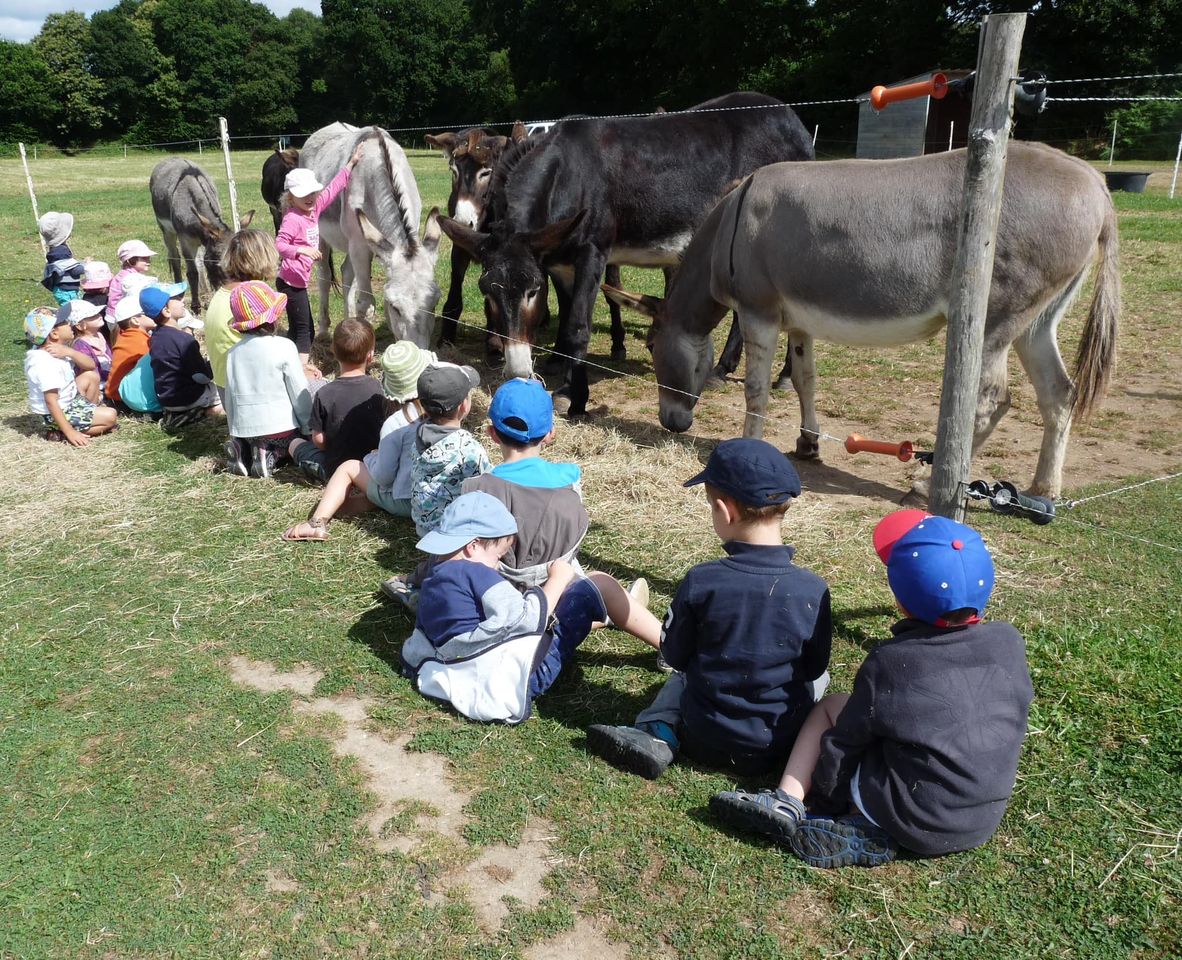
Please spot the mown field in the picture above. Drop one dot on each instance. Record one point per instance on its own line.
(153, 805)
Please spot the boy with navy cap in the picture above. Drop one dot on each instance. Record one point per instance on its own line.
(470, 617)
(923, 754)
(749, 634)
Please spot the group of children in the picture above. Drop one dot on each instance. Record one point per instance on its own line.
(922, 755)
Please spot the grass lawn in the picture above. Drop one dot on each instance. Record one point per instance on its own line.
(153, 806)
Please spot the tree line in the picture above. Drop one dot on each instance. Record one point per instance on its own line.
(153, 71)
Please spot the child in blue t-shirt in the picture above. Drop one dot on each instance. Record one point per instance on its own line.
(748, 634)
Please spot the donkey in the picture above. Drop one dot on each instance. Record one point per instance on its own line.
(861, 252)
(376, 215)
(186, 205)
(600, 191)
(275, 170)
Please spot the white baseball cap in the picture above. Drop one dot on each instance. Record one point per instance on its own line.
(75, 312)
(127, 308)
(133, 248)
(301, 181)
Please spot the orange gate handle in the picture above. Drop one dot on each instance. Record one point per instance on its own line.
(935, 87)
(855, 444)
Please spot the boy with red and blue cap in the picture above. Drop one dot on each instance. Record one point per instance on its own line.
(749, 635)
(923, 754)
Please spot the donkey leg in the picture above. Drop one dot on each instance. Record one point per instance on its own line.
(588, 274)
(324, 279)
(454, 306)
(728, 360)
(993, 395)
(174, 254)
(760, 333)
(1038, 350)
(563, 284)
(802, 365)
(611, 276)
(784, 380)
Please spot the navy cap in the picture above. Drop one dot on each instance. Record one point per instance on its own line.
(752, 471)
(472, 516)
(939, 566)
(522, 410)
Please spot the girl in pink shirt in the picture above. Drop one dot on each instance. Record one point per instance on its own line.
(298, 242)
(136, 261)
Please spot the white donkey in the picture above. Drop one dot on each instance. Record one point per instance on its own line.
(377, 215)
(861, 252)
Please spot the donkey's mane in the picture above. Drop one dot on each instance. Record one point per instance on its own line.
(502, 173)
(398, 194)
(206, 187)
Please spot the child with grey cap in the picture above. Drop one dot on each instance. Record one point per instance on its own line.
(63, 273)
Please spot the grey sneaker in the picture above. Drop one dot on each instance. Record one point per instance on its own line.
(630, 749)
(398, 589)
(262, 462)
(850, 841)
(235, 463)
(772, 813)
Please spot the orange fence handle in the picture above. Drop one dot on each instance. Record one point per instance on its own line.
(855, 444)
(935, 87)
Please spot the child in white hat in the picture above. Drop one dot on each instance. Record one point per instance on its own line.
(87, 320)
(298, 241)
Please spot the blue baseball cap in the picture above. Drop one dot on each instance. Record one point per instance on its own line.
(473, 516)
(752, 471)
(522, 410)
(936, 566)
(153, 299)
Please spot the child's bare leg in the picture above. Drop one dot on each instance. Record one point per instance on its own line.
(103, 420)
(87, 383)
(798, 774)
(354, 503)
(625, 612)
(338, 489)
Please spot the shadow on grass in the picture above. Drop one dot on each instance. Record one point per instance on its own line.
(384, 628)
(26, 424)
(848, 625)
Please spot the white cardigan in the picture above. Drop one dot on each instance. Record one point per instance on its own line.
(266, 390)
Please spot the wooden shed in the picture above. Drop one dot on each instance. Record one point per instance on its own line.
(912, 128)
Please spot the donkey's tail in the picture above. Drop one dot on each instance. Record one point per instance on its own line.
(1097, 349)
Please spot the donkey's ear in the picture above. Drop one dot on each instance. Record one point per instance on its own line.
(432, 232)
(373, 236)
(210, 229)
(554, 235)
(518, 133)
(640, 302)
(445, 141)
(247, 220)
(462, 236)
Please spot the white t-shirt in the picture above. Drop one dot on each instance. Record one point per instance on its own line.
(405, 416)
(46, 372)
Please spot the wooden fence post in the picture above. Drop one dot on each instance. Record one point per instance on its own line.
(229, 171)
(984, 178)
(32, 196)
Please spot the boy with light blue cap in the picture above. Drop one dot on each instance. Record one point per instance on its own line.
(482, 645)
(923, 754)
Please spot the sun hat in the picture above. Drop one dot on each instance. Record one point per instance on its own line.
(891, 527)
(55, 228)
(444, 386)
(97, 276)
(131, 249)
(402, 362)
(155, 298)
(936, 566)
(75, 312)
(254, 304)
(300, 182)
(40, 322)
(752, 471)
(127, 308)
(521, 409)
(472, 516)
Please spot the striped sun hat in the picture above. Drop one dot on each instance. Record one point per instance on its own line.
(401, 365)
(253, 304)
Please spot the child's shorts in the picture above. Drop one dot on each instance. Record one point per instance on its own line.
(311, 460)
(381, 498)
(79, 412)
(65, 296)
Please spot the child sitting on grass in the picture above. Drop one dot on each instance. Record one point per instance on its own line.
(268, 403)
(347, 412)
(131, 345)
(482, 645)
(86, 318)
(924, 753)
(402, 362)
(135, 265)
(63, 273)
(183, 378)
(66, 403)
(387, 481)
(750, 634)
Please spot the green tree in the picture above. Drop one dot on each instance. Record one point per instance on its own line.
(28, 110)
(64, 45)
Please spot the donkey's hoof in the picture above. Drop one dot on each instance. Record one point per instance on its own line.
(619, 354)
(784, 383)
(807, 448)
(561, 404)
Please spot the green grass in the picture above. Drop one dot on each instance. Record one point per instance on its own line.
(147, 800)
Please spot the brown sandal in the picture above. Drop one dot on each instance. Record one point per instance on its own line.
(317, 525)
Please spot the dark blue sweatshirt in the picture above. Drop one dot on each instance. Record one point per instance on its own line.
(936, 720)
(176, 358)
(749, 631)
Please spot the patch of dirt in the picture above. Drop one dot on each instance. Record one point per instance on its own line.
(501, 872)
(277, 882)
(264, 677)
(585, 941)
